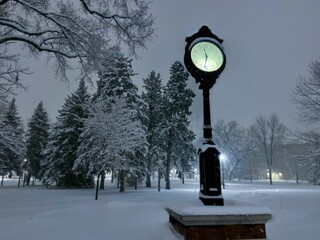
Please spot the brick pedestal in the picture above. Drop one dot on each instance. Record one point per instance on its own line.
(219, 223)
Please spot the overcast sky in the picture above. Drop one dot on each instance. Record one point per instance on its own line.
(267, 44)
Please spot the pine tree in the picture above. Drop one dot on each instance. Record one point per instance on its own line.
(4, 143)
(184, 154)
(62, 147)
(153, 112)
(37, 137)
(177, 137)
(115, 81)
(13, 144)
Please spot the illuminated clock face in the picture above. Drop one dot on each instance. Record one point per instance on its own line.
(206, 56)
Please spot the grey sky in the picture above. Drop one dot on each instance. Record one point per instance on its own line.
(267, 43)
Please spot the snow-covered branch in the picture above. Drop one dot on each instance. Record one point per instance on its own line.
(110, 134)
(82, 30)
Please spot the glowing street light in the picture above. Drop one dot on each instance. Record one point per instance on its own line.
(223, 158)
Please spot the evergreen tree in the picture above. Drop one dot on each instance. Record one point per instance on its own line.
(12, 143)
(153, 112)
(37, 137)
(115, 81)
(177, 136)
(184, 155)
(62, 147)
(4, 143)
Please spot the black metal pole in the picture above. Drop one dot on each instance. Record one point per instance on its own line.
(207, 129)
(210, 172)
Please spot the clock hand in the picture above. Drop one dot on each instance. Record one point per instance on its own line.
(206, 58)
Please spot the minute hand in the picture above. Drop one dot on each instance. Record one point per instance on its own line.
(206, 58)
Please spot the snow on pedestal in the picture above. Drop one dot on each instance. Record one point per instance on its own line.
(217, 222)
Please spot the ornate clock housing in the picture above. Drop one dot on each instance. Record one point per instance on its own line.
(204, 56)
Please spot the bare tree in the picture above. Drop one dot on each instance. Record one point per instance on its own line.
(69, 30)
(9, 74)
(234, 140)
(306, 95)
(270, 134)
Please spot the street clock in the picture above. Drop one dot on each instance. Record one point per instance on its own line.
(204, 56)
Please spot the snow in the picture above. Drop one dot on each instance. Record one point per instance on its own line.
(221, 211)
(36, 212)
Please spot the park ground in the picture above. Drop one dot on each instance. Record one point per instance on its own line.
(37, 212)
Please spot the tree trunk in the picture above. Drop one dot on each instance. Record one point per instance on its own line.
(148, 178)
(118, 178)
(28, 179)
(24, 179)
(122, 180)
(112, 176)
(250, 169)
(159, 179)
(135, 182)
(168, 173)
(251, 178)
(19, 180)
(297, 176)
(97, 186)
(2, 179)
(103, 175)
(168, 168)
(270, 175)
(168, 160)
(182, 177)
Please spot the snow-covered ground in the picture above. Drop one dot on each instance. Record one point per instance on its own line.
(37, 213)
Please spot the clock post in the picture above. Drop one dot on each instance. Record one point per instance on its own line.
(205, 59)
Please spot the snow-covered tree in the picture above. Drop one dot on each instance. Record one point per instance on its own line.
(37, 137)
(12, 142)
(184, 156)
(153, 110)
(115, 80)
(176, 107)
(63, 142)
(110, 138)
(313, 168)
(270, 134)
(9, 74)
(69, 31)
